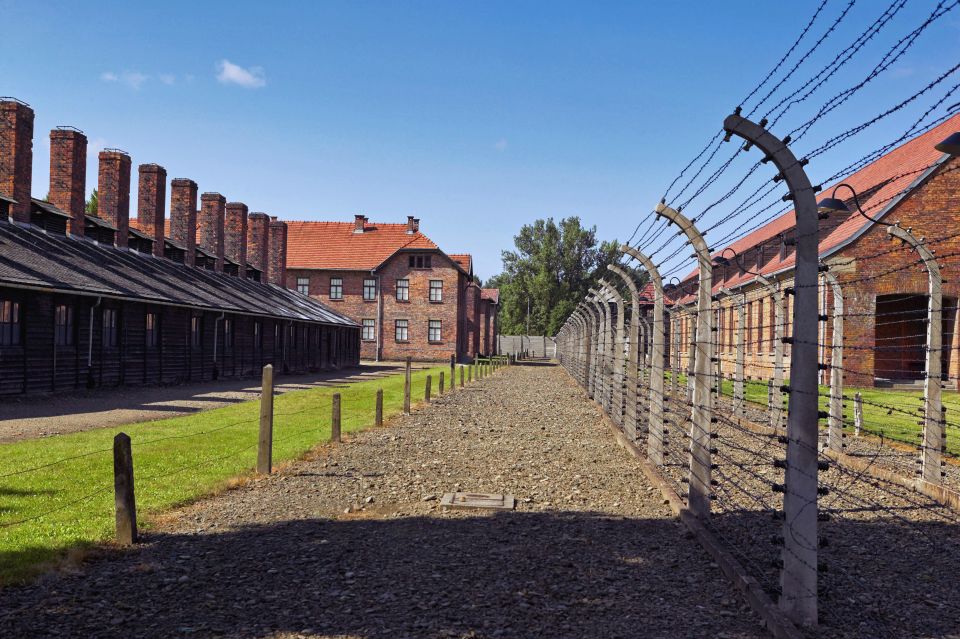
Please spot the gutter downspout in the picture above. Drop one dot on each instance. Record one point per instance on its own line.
(90, 344)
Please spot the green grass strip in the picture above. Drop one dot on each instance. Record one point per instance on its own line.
(64, 499)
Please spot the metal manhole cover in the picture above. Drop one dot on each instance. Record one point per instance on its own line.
(478, 500)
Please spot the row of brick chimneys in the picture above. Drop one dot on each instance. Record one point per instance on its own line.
(223, 229)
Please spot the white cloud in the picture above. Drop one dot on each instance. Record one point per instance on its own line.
(133, 79)
(500, 145)
(250, 78)
(167, 78)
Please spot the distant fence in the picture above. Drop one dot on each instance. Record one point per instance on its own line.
(537, 345)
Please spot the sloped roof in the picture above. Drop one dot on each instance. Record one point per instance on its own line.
(879, 185)
(490, 294)
(31, 258)
(334, 245)
(465, 260)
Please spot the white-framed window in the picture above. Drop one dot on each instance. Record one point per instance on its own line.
(403, 290)
(369, 330)
(401, 327)
(436, 290)
(196, 331)
(434, 332)
(110, 332)
(336, 288)
(63, 324)
(303, 285)
(153, 332)
(369, 289)
(227, 334)
(9, 323)
(257, 335)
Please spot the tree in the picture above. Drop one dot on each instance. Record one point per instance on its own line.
(551, 270)
(93, 203)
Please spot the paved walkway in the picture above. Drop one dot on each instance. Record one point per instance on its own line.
(353, 542)
(34, 416)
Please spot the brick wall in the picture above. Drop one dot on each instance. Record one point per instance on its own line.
(210, 222)
(16, 156)
(68, 175)
(151, 203)
(183, 216)
(113, 193)
(235, 235)
(258, 242)
(277, 253)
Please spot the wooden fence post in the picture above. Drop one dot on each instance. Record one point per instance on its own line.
(461, 377)
(126, 507)
(440, 384)
(426, 389)
(265, 444)
(335, 419)
(406, 389)
(378, 419)
(453, 372)
(469, 372)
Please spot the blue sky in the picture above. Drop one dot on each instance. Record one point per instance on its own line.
(476, 117)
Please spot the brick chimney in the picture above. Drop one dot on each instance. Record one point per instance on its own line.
(413, 225)
(113, 193)
(359, 222)
(151, 203)
(68, 174)
(211, 226)
(16, 156)
(258, 242)
(183, 217)
(278, 253)
(235, 235)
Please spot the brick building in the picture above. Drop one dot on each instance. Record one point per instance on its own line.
(885, 302)
(88, 301)
(411, 298)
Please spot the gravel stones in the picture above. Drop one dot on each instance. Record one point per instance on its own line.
(589, 550)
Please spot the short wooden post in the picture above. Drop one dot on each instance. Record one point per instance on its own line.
(426, 389)
(857, 413)
(335, 419)
(126, 507)
(265, 444)
(461, 377)
(378, 419)
(469, 372)
(440, 384)
(406, 389)
(453, 371)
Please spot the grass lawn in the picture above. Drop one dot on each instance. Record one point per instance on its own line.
(64, 500)
(891, 413)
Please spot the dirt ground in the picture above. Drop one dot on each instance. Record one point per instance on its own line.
(353, 541)
(36, 416)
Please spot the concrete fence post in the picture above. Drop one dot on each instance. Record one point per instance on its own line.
(633, 356)
(426, 388)
(406, 388)
(857, 413)
(777, 420)
(675, 351)
(798, 577)
(835, 420)
(335, 418)
(440, 384)
(701, 429)
(655, 430)
(616, 355)
(265, 441)
(931, 451)
(124, 500)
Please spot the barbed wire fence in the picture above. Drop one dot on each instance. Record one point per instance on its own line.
(800, 402)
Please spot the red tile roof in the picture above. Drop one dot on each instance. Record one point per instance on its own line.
(894, 173)
(490, 294)
(334, 245)
(465, 260)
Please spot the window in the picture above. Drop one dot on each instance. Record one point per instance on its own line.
(403, 290)
(369, 326)
(401, 330)
(153, 335)
(257, 335)
(227, 334)
(336, 288)
(110, 327)
(63, 325)
(370, 289)
(196, 332)
(436, 290)
(433, 330)
(303, 285)
(9, 323)
(419, 261)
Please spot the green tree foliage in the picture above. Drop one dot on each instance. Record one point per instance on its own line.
(553, 267)
(93, 203)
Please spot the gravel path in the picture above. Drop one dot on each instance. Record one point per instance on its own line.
(35, 416)
(353, 542)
